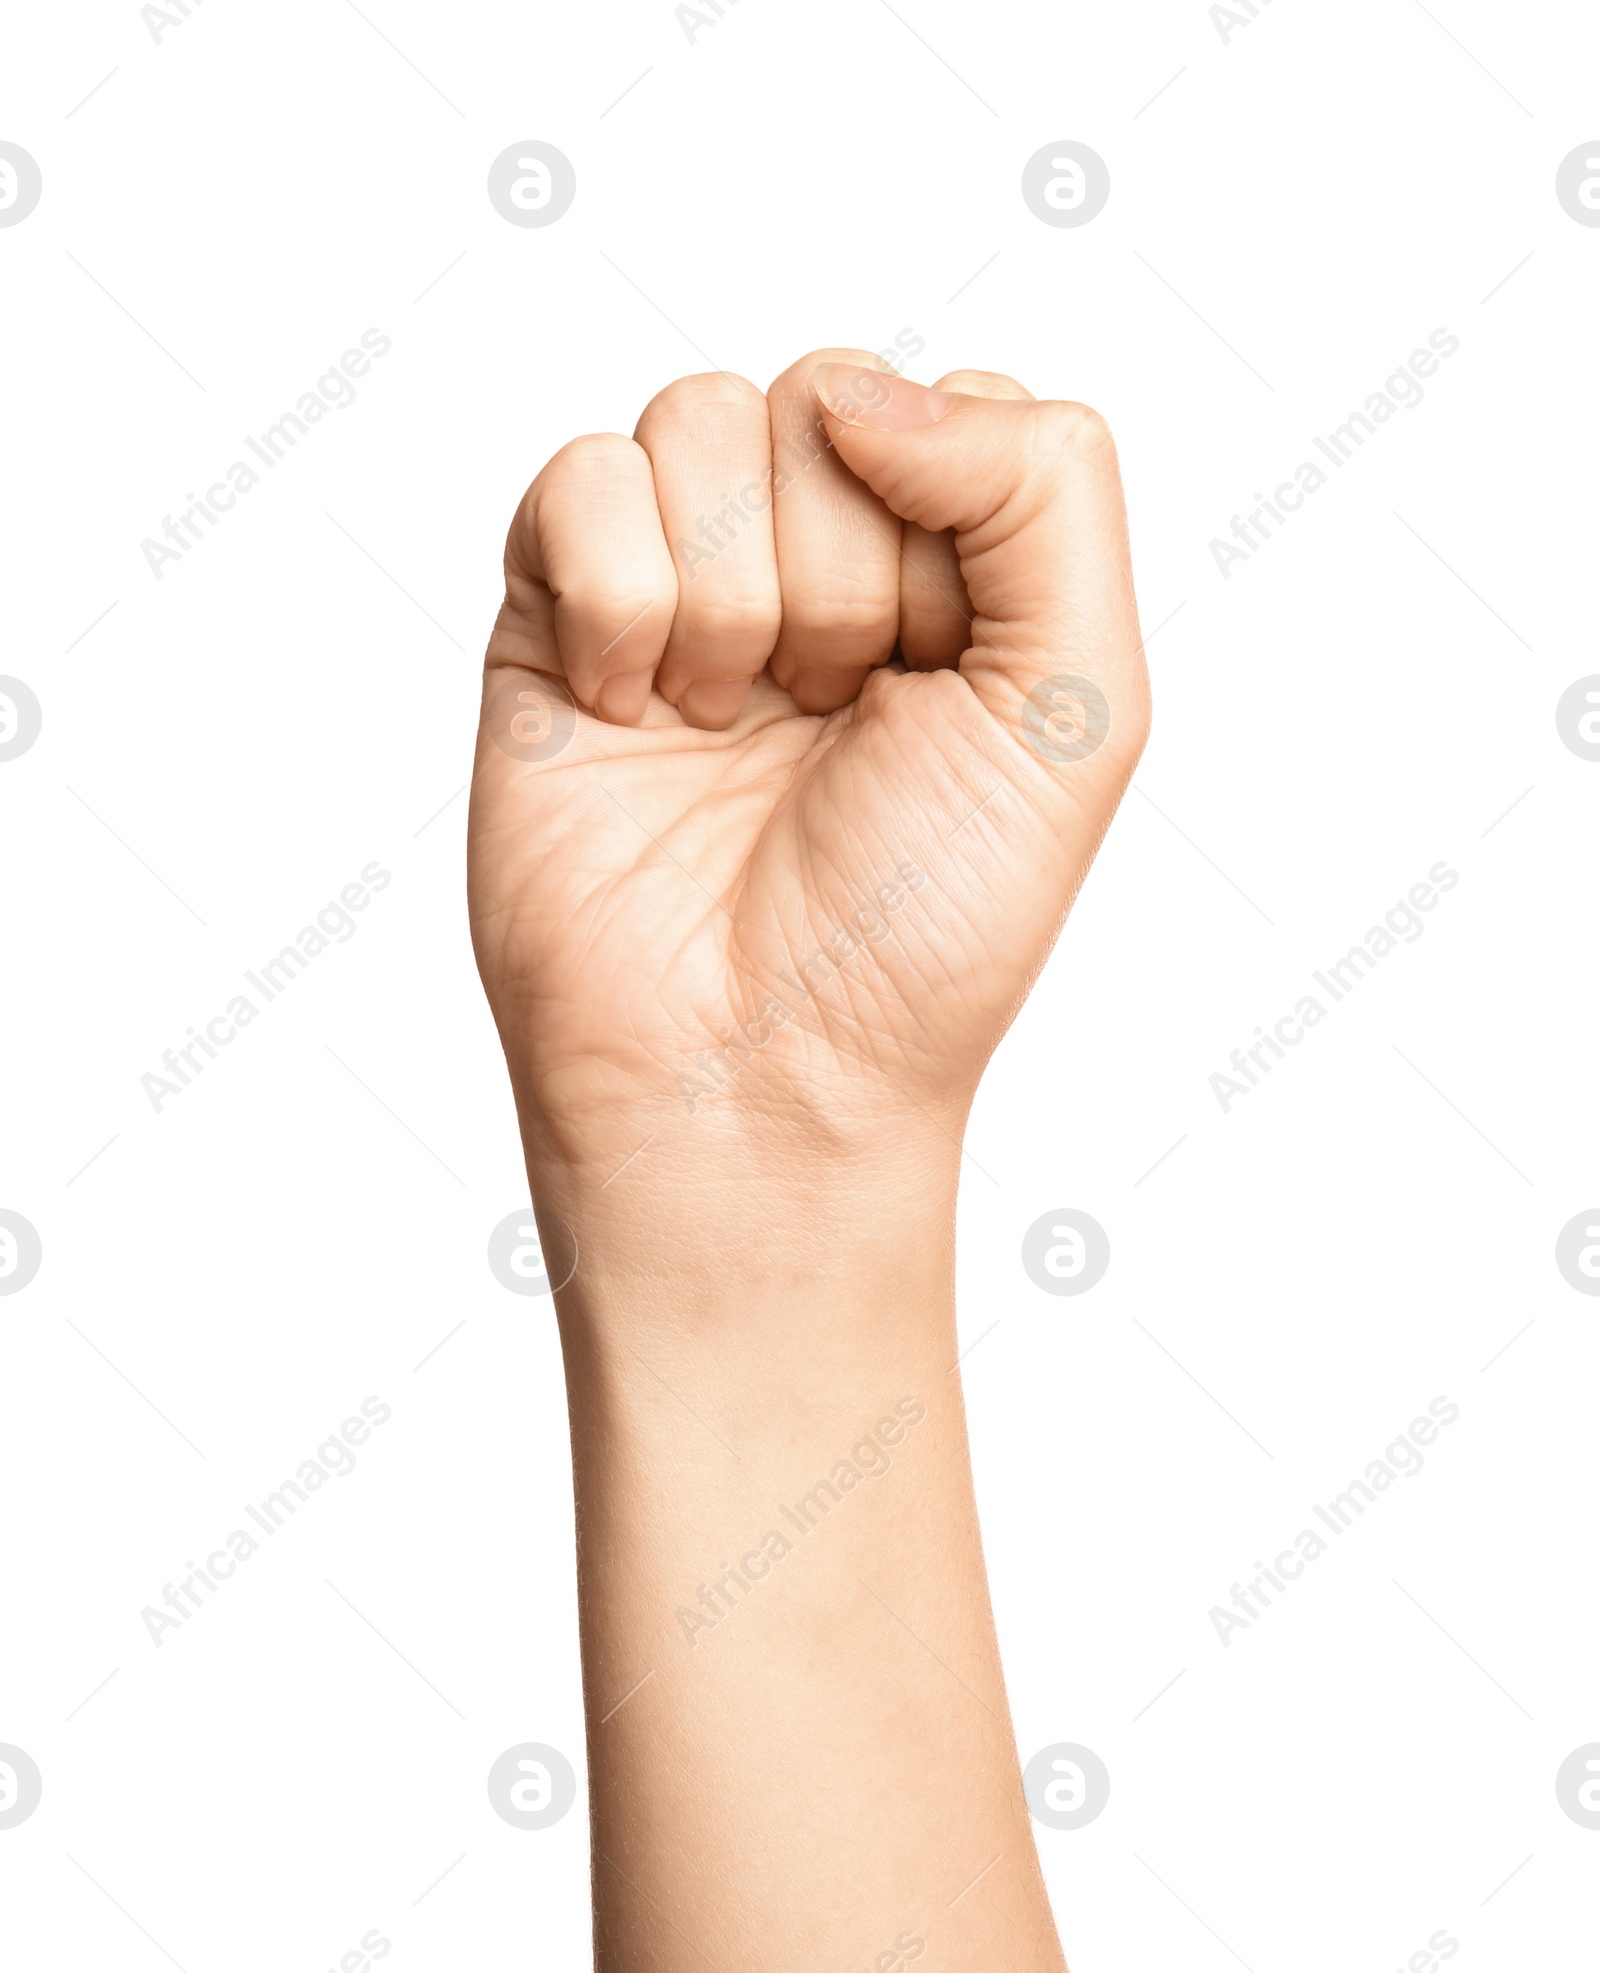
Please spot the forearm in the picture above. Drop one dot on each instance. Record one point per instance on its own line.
(799, 1747)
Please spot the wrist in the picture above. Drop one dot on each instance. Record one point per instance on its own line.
(712, 1233)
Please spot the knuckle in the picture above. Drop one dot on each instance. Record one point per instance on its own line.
(851, 620)
(685, 396)
(731, 619)
(647, 603)
(982, 383)
(606, 609)
(800, 371)
(1076, 428)
(595, 457)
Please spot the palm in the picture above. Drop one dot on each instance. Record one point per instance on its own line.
(848, 901)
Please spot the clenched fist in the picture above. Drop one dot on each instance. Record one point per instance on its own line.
(804, 716)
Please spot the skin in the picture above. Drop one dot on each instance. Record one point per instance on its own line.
(750, 936)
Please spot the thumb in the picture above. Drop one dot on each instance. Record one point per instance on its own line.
(1032, 491)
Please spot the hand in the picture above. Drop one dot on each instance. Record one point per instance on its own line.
(752, 914)
(775, 885)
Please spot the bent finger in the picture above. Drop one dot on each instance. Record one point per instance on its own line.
(935, 610)
(838, 546)
(710, 444)
(590, 535)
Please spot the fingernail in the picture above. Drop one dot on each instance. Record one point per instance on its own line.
(622, 699)
(877, 400)
(714, 702)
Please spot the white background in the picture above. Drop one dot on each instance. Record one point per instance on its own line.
(227, 747)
